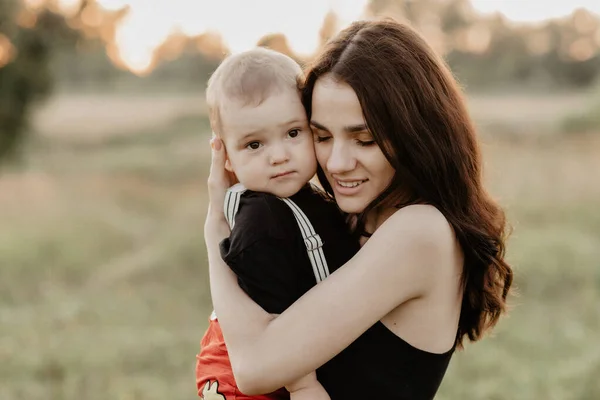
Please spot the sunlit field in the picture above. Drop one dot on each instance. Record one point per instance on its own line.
(103, 278)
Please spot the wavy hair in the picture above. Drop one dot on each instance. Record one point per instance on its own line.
(417, 115)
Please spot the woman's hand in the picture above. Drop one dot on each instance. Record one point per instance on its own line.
(219, 180)
(303, 383)
(307, 388)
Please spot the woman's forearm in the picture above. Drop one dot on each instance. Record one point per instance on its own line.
(243, 321)
(269, 353)
(256, 360)
(231, 303)
(246, 331)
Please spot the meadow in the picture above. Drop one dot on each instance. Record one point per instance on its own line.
(103, 280)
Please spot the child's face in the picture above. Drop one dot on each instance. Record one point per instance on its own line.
(270, 146)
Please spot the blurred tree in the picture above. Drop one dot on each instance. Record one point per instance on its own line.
(183, 62)
(84, 50)
(277, 42)
(490, 51)
(574, 57)
(456, 15)
(24, 73)
(329, 28)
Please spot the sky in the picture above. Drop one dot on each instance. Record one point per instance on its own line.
(149, 23)
(534, 10)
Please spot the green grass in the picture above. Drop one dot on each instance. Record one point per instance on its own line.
(548, 347)
(104, 291)
(582, 122)
(584, 119)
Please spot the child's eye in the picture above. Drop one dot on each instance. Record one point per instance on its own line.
(294, 133)
(253, 145)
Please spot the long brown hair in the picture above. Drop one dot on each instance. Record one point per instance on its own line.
(417, 115)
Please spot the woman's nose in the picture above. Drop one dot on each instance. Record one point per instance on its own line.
(340, 159)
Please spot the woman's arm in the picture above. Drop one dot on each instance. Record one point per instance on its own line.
(400, 262)
(397, 264)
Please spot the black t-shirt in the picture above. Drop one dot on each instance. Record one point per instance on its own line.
(267, 252)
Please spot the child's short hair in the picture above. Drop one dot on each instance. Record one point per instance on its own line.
(250, 77)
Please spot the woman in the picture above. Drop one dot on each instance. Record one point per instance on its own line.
(396, 149)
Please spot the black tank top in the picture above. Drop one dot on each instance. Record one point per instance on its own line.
(380, 365)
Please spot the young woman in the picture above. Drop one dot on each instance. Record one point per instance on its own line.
(398, 151)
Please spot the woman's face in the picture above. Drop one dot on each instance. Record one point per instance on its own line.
(354, 164)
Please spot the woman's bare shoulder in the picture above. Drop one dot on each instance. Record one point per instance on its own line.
(420, 224)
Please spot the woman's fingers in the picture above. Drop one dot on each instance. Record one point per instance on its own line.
(218, 180)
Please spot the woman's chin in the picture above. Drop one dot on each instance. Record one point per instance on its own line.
(350, 205)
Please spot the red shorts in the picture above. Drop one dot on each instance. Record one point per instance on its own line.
(214, 376)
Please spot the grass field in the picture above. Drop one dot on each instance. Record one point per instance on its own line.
(103, 281)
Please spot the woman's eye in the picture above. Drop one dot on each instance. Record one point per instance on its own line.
(253, 145)
(294, 133)
(320, 139)
(365, 142)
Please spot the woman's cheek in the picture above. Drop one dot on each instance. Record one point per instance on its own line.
(322, 151)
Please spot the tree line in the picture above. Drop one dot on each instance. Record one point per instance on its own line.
(42, 49)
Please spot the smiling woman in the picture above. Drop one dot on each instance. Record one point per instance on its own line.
(357, 169)
(397, 149)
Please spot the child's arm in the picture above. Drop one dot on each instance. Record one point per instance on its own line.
(307, 388)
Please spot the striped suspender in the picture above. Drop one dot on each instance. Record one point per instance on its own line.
(312, 241)
(232, 203)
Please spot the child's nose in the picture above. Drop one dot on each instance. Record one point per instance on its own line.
(279, 154)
